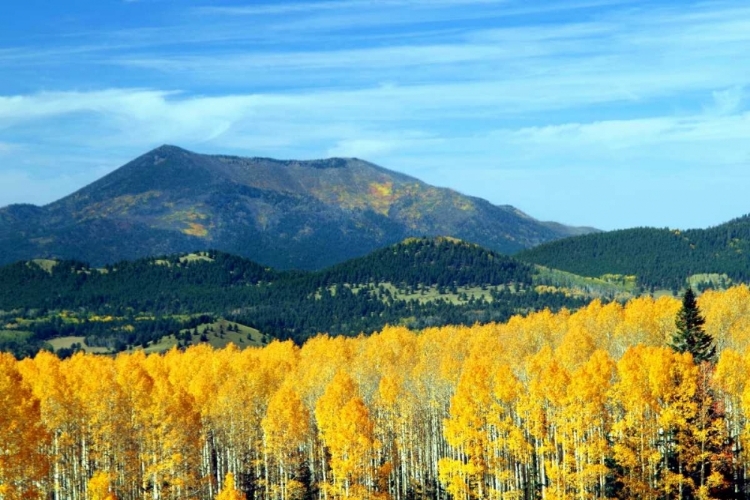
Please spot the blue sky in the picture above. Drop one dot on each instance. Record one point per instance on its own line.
(589, 112)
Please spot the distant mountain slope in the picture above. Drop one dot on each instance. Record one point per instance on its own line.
(419, 282)
(660, 258)
(286, 214)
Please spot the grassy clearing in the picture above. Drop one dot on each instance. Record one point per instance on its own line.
(714, 279)
(196, 257)
(68, 342)
(425, 294)
(189, 258)
(216, 334)
(546, 280)
(46, 264)
(461, 296)
(619, 287)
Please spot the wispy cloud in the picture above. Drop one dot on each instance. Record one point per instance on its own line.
(636, 58)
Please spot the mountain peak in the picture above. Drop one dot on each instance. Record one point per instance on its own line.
(284, 213)
(167, 149)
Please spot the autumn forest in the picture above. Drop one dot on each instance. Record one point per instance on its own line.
(589, 404)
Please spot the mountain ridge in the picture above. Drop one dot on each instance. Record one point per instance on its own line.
(284, 213)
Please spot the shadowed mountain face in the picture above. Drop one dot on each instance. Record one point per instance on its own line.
(286, 214)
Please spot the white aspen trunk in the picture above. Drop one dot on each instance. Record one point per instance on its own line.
(56, 481)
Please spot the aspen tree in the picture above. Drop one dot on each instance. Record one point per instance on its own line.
(435, 377)
(202, 372)
(229, 492)
(540, 409)
(587, 425)
(392, 354)
(732, 374)
(99, 488)
(103, 414)
(62, 418)
(727, 315)
(635, 430)
(467, 432)
(286, 431)
(23, 439)
(347, 431)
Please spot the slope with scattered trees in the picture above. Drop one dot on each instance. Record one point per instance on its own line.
(421, 282)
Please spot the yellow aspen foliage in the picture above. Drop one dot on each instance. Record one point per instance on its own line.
(103, 414)
(727, 317)
(348, 433)
(229, 491)
(575, 348)
(99, 487)
(587, 424)
(467, 431)
(286, 429)
(286, 424)
(599, 323)
(22, 436)
(730, 379)
(636, 432)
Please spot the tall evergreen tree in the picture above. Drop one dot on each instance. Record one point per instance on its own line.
(690, 335)
(701, 448)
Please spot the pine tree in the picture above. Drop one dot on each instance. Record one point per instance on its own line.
(690, 336)
(702, 447)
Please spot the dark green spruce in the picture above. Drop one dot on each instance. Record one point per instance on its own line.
(690, 335)
(704, 436)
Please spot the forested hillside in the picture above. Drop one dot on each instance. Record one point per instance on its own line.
(419, 283)
(591, 404)
(660, 258)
